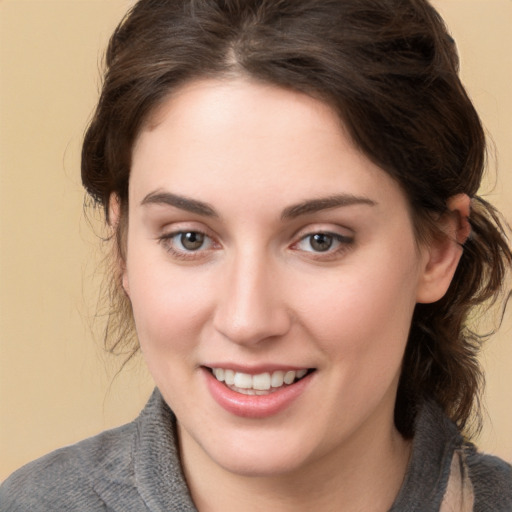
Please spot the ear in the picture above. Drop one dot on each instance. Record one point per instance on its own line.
(116, 222)
(444, 250)
(114, 210)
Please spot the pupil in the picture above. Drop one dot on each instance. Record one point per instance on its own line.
(192, 241)
(321, 242)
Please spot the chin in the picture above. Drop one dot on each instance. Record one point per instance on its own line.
(270, 464)
(259, 454)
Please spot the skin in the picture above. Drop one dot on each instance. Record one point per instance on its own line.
(257, 293)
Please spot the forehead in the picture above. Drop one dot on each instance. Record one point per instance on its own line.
(241, 107)
(215, 138)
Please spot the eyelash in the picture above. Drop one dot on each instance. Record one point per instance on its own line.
(169, 245)
(342, 244)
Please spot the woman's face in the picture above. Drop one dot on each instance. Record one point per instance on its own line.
(266, 250)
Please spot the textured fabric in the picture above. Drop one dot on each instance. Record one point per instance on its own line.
(136, 468)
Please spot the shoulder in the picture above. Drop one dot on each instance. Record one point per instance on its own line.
(491, 478)
(131, 468)
(448, 472)
(71, 477)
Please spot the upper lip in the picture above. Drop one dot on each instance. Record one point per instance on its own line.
(256, 369)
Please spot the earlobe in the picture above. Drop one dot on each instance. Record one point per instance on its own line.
(124, 282)
(114, 211)
(443, 252)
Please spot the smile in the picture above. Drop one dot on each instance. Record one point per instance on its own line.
(260, 384)
(257, 395)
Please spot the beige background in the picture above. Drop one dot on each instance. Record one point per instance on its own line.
(56, 384)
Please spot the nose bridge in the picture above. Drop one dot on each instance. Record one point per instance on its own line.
(251, 307)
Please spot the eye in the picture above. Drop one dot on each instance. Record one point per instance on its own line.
(320, 242)
(323, 242)
(187, 244)
(190, 240)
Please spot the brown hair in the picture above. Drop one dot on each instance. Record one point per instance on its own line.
(390, 70)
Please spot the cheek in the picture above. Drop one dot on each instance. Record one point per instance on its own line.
(370, 307)
(168, 305)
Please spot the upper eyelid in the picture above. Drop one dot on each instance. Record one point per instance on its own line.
(311, 229)
(172, 233)
(173, 228)
(166, 237)
(342, 239)
(331, 232)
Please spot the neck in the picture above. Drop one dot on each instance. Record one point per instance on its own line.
(364, 474)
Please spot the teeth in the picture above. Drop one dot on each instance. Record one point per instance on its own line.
(229, 377)
(289, 377)
(261, 381)
(243, 380)
(257, 384)
(252, 392)
(277, 379)
(219, 374)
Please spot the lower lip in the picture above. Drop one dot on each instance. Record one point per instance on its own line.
(255, 406)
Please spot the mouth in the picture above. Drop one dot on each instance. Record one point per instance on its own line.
(260, 384)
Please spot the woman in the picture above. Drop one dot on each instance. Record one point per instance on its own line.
(291, 188)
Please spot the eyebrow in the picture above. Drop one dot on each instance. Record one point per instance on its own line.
(181, 202)
(291, 212)
(324, 203)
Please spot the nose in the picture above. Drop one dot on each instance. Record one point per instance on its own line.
(252, 306)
